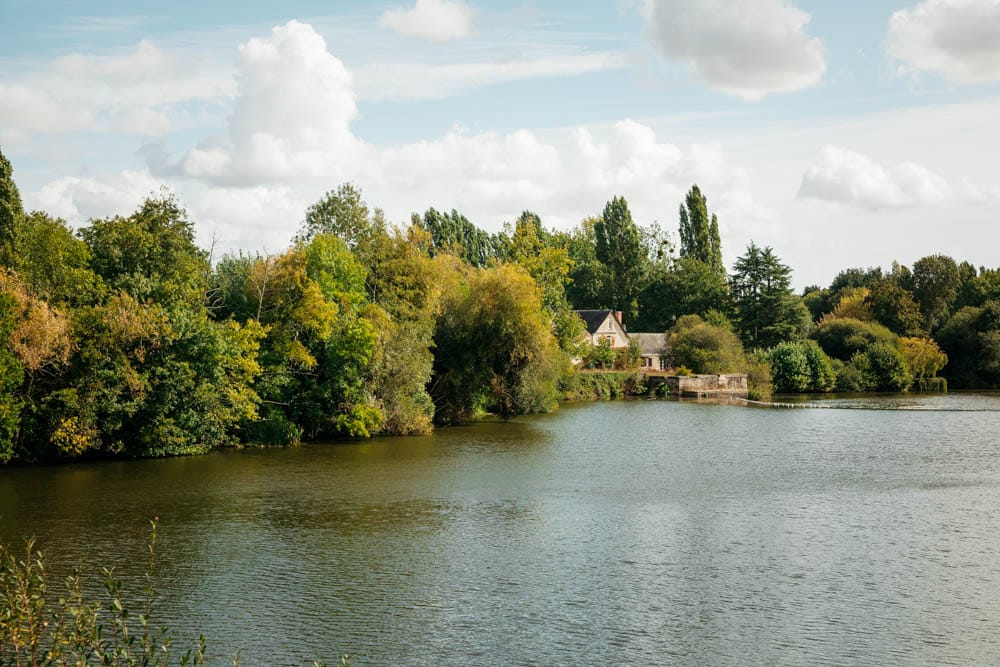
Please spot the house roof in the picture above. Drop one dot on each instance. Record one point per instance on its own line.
(650, 343)
(593, 319)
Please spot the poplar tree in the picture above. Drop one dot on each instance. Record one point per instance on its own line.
(699, 232)
(11, 210)
(619, 248)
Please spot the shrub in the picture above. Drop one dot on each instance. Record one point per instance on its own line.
(843, 338)
(703, 347)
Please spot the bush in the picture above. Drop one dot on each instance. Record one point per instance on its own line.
(600, 356)
(887, 369)
(703, 347)
(843, 338)
(801, 366)
(759, 381)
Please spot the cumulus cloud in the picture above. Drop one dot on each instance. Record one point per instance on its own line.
(289, 138)
(845, 176)
(436, 20)
(959, 39)
(292, 115)
(747, 49)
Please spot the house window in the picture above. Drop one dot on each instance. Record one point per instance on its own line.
(611, 340)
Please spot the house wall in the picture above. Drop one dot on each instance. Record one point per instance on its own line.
(610, 327)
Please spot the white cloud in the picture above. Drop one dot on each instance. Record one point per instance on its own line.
(79, 199)
(957, 38)
(407, 81)
(851, 178)
(25, 109)
(748, 49)
(142, 91)
(146, 62)
(292, 115)
(289, 138)
(436, 20)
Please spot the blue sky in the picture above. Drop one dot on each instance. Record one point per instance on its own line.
(842, 134)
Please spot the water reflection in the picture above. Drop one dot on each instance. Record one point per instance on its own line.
(633, 533)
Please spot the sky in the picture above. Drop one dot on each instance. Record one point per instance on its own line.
(854, 133)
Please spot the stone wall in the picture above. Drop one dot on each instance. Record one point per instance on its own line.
(705, 386)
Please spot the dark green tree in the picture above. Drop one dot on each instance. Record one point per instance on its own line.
(935, 281)
(895, 308)
(699, 233)
(618, 247)
(11, 209)
(689, 287)
(767, 311)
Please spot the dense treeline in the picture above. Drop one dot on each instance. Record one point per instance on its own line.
(124, 338)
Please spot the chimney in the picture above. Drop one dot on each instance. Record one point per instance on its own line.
(618, 316)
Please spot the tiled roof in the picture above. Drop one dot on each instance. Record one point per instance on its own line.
(593, 319)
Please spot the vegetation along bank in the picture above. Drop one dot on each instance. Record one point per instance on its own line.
(124, 338)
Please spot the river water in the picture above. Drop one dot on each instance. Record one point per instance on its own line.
(645, 532)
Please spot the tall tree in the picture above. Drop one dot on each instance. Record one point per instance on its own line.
(700, 233)
(935, 281)
(768, 311)
(619, 248)
(11, 210)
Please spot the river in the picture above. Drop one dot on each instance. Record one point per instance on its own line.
(638, 532)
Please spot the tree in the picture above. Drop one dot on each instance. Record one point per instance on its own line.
(843, 338)
(699, 234)
(619, 249)
(11, 209)
(923, 357)
(452, 233)
(801, 366)
(935, 282)
(703, 347)
(768, 312)
(151, 254)
(894, 307)
(494, 348)
(588, 280)
(53, 262)
(689, 287)
(344, 214)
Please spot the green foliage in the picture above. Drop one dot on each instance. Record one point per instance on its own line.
(602, 385)
(843, 338)
(151, 254)
(600, 356)
(619, 249)
(895, 308)
(494, 348)
(971, 339)
(452, 233)
(759, 380)
(343, 214)
(935, 281)
(53, 262)
(883, 368)
(11, 209)
(699, 234)
(768, 312)
(923, 357)
(11, 376)
(801, 366)
(789, 368)
(689, 287)
(704, 348)
(628, 358)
